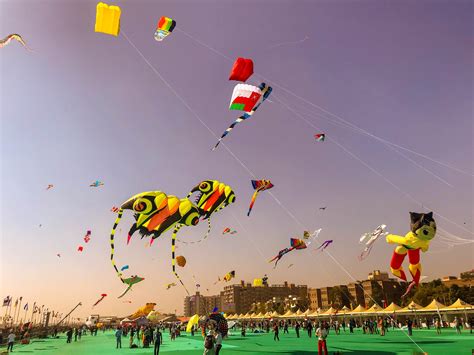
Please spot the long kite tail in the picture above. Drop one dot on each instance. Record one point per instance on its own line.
(203, 238)
(112, 247)
(231, 127)
(173, 258)
(254, 197)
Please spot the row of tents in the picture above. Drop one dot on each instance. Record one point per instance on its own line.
(433, 307)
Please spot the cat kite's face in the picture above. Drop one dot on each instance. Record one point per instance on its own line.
(423, 225)
(212, 195)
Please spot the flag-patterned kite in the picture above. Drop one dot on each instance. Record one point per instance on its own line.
(320, 137)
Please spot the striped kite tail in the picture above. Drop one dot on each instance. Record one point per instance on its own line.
(202, 239)
(112, 247)
(173, 258)
(231, 127)
(254, 197)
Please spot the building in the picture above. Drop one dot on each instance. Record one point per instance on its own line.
(314, 297)
(449, 281)
(201, 305)
(241, 297)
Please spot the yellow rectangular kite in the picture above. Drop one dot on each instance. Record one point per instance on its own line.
(107, 19)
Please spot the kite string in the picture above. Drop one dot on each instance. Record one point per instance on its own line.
(362, 288)
(370, 167)
(355, 127)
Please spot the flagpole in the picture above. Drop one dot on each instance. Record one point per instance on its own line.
(18, 312)
(33, 312)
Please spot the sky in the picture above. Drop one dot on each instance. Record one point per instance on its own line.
(83, 106)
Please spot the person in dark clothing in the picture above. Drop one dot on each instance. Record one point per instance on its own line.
(285, 327)
(75, 334)
(276, 331)
(297, 329)
(158, 341)
(69, 335)
(410, 327)
(309, 327)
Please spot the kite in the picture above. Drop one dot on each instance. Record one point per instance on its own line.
(241, 70)
(58, 255)
(290, 266)
(323, 208)
(215, 309)
(422, 231)
(165, 26)
(181, 261)
(192, 322)
(265, 93)
(97, 183)
(80, 248)
(229, 276)
(127, 301)
(40, 225)
(261, 282)
(212, 196)
(114, 209)
(245, 97)
(9, 38)
(155, 213)
(168, 286)
(297, 244)
(102, 296)
(50, 186)
(370, 239)
(130, 282)
(258, 185)
(87, 237)
(324, 245)
(107, 19)
(320, 137)
(125, 267)
(229, 231)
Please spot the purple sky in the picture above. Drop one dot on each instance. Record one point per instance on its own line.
(85, 106)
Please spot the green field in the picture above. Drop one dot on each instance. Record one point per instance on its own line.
(396, 342)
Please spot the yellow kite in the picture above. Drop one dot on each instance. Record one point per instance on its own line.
(107, 19)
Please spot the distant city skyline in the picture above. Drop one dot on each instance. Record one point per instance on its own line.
(85, 106)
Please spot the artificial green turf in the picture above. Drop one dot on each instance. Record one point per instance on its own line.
(395, 342)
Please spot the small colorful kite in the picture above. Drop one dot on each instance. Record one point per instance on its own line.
(320, 137)
(80, 248)
(258, 185)
(265, 93)
(229, 231)
(168, 286)
(114, 209)
(13, 36)
(370, 239)
(297, 244)
(87, 237)
(125, 267)
(50, 186)
(324, 245)
(165, 26)
(130, 282)
(97, 183)
(102, 296)
(241, 70)
(229, 276)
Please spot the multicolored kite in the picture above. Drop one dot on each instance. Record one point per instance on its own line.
(229, 231)
(297, 244)
(13, 36)
(87, 237)
(50, 186)
(97, 183)
(165, 26)
(320, 137)
(102, 296)
(259, 185)
(265, 93)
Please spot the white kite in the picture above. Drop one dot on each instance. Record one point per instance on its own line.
(370, 239)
